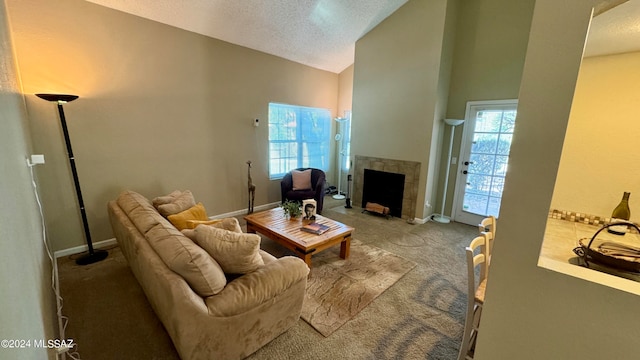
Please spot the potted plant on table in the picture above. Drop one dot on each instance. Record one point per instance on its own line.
(291, 209)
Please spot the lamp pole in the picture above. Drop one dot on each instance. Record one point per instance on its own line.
(93, 255)
(339, 140)
(440, 217)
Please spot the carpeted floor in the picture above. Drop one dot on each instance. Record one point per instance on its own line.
(421, 316)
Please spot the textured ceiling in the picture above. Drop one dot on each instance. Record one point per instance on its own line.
(317, 33)
(322, 33)
(615, 31)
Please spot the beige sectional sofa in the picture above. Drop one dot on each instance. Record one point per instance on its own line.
(204, 318)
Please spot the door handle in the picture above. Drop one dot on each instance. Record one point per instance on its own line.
(468, 163)
(465, 172)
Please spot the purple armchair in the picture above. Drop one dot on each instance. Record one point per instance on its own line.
(316, 192)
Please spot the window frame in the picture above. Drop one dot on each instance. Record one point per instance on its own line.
(306, 148)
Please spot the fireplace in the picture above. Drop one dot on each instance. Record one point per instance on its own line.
(410, 170)
(383, 188)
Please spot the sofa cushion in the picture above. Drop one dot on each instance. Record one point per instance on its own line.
(139, 209)
(237, 253)
(251, 290)
(166, 199)
(230, 224)
(128, 200)
(180, 203)
(266, 257)
(197, 212)
(203, 274)
(301, 179)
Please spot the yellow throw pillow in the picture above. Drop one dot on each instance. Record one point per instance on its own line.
(230, 224)
(180, 219)
(301, 179)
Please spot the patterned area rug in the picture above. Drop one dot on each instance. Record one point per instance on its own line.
(339, 289)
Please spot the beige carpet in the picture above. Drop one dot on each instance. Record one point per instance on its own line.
(421, 316)
(339, 289)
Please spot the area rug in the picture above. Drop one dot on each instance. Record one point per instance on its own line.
(339, 289)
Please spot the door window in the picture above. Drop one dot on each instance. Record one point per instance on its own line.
(484, 153)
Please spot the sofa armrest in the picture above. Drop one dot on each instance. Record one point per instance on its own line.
(257, 287)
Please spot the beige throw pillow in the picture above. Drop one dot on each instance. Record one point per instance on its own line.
(237, 253)
(180, 203)
(301, 179)
(203, 274)
(167, 199)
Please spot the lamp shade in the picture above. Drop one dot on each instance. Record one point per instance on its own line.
(453, 122)
(57, 97)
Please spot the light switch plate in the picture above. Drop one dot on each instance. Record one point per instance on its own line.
(37, 159)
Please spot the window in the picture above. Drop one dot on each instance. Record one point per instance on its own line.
(298, 137)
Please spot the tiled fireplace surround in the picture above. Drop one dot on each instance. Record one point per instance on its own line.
(410, 170)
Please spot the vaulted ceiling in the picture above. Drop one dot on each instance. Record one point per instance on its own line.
(323, 33)
(317, 33)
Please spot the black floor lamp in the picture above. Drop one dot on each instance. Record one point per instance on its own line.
(93, 255)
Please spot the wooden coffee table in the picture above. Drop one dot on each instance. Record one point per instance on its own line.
(273, 224)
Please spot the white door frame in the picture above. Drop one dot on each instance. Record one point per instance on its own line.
(465, 144)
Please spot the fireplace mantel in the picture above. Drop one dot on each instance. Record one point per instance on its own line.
(410, 170)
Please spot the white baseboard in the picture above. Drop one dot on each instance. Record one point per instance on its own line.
(423, 220)
(112, 241)
(83, 248)
(244, 211)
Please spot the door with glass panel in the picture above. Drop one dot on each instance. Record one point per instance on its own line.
(484, 155)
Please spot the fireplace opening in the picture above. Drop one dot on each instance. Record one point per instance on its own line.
(383, 188)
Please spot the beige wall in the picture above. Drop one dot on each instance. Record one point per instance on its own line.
(435, 175)
(396, 88)
(345, 98)
(600, 153)
(160, 109)
(491, 42)
(27, 305)
(416, 69)
(490, 47)
(531, 312)
(345, 90)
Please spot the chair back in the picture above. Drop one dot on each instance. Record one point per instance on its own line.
(477, 265)
(318, 184)
(488, 226)
(317, 175)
